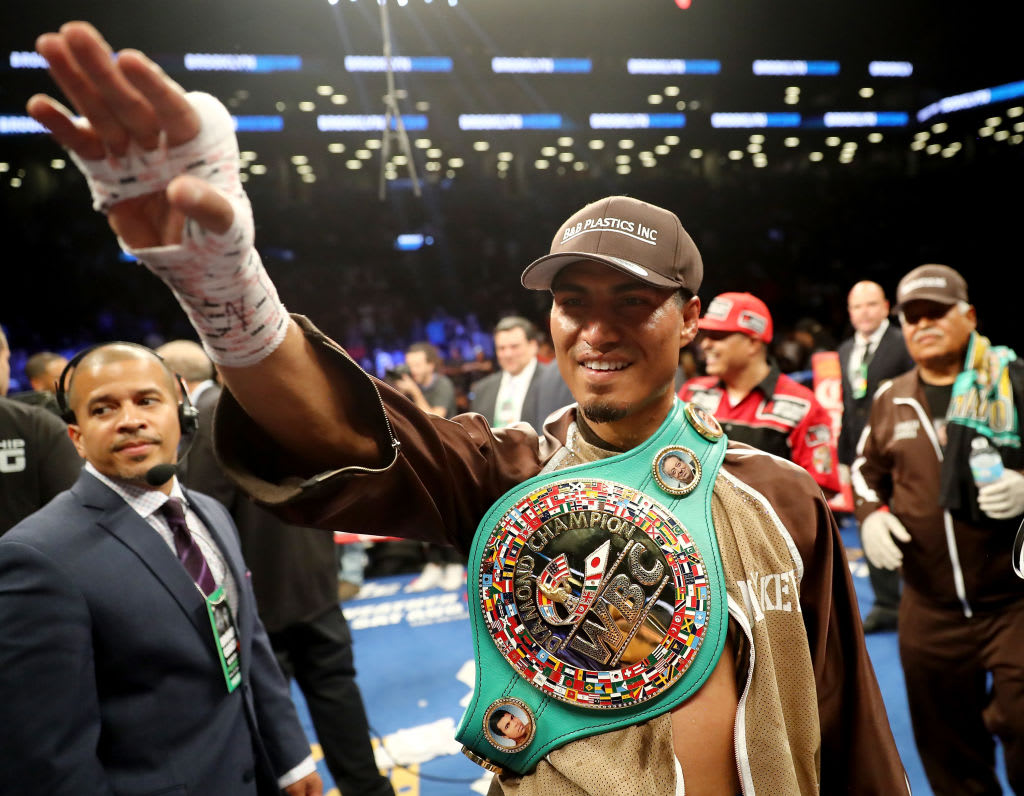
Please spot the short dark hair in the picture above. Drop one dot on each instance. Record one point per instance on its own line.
(36, 365)
(510, 322)
(430, 351)
(496, 717)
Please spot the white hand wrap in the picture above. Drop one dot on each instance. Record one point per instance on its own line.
(219, 280)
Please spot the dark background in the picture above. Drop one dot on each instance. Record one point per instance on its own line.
(796, 232)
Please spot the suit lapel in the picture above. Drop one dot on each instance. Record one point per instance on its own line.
(122, 522)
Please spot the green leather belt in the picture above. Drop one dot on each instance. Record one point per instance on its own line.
(597, 596)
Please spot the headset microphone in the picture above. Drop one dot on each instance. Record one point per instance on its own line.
(160, 474)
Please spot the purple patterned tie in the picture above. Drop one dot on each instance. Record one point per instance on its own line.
(188, 551)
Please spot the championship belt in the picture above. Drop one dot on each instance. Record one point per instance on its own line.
(597, 596)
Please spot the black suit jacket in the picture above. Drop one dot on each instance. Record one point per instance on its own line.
(111, 682)
(294, 569)
(889, 360)
(546, 393)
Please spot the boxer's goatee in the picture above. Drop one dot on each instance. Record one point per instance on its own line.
(598, 412)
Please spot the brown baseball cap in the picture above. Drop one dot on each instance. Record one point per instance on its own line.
(642, 240)
(932, 283)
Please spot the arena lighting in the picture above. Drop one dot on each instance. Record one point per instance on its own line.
(972, 99)
(399, 63)
(530, 66)
(770, 67)
(671, 66)
(510, 121)
(365, 122)
(19, 125)
(236, 62)
(866, 119)
(755, 119)
(258, 124)
(890, 69)
(636, 121)
(21, 59)
(411, 241)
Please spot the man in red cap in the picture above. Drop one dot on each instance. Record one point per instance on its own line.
(580, 580)
(751, 398)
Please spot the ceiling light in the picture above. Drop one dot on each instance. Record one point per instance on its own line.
(57, 163)
(924, 135)
(299, 160)
(993, 121)
(505, 156)
(433, 165)
(815, 156)
(931, 149)
(671, 91)
(940, 127)
(918, 145)
(422, 143)
(620, 159)
(243, 177)
(305, 168)
(654, 99)
(985, 132)
(681, 105)
(696, 153)
(671, 140)
(626, 143)
(565, 141)
(792, 89)
(791, 99)
(735, 154)
(309, 178)
(336, 148)
(324, 91)
(866, 92)
(399, 160)
(662, 149)
(502, 165)
(753, 148)
(455, 163)
(247, 155)
(566, 157)
(354, 164)
(307, 106)
(1001, 135)
(757, 138)
(596, 143)
(579, 165)
(541, 164)
(620, 169)
(948, 153)
(422, 106)
(481, 146)
(792, 141)
(1018, 127)
(832, 140)
(548, 151)
(433, 152)
(363, 154)
(279, 106)
(257, 168)
(372, 143)
(339, 99)
(15, 182)
(1016, 139)
(875, 138)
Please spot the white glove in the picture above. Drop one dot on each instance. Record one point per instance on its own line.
(1004, 497)
(876, 535)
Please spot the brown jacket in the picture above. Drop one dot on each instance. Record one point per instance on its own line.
(948, 561)
(437, 478)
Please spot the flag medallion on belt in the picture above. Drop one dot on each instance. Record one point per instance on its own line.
(594, 593)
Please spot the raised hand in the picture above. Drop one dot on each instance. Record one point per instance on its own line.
(126, 103)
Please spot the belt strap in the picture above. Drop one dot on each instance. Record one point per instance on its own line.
(596, 595)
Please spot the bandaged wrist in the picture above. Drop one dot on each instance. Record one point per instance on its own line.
(218, 279)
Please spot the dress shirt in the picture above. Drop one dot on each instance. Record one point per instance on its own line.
(508, 408)
(862, 345)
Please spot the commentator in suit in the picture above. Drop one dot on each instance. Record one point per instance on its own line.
(523, 389)
(876, 352)
(115, 680)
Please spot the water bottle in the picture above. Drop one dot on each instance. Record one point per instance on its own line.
(986, 463)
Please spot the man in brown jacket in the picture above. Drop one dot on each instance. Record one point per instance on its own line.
(961, 620)
(791, 706)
